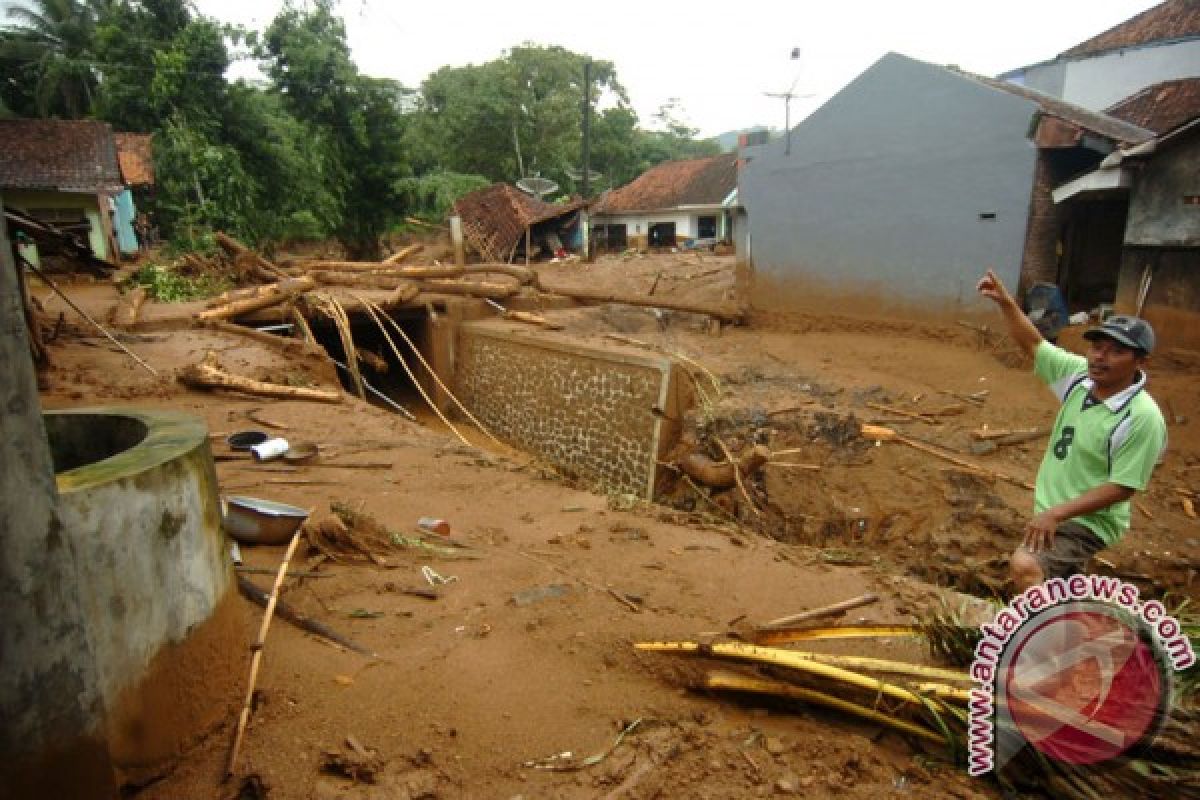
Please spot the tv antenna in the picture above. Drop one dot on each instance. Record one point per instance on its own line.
(537, 186)
(787, 104)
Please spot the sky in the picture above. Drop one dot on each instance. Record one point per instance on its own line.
(718, 58)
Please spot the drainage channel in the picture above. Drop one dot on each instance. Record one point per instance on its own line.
(603, 414)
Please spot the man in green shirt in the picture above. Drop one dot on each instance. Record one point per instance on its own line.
(1107, 438)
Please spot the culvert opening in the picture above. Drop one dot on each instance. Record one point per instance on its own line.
(77, 440)
(377, 362)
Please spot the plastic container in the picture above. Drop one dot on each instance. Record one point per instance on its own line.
(271, 448)
(434, 525)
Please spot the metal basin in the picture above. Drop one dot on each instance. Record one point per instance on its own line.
(252, 520)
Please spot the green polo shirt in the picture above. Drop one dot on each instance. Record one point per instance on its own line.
(1119, 440)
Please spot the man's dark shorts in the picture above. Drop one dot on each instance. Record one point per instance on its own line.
(1074, 545)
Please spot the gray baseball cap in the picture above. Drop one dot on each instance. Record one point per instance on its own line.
(1132, 332)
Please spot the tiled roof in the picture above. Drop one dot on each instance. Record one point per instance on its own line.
(695, 182)
(74, 155)
(1174, 19)
(135, 154)
(1161, 107)
(494, 218)
(1094, 121)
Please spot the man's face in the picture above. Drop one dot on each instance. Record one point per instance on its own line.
(1112, 365)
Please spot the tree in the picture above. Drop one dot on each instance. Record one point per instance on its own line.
(48, 48)
(129, 38)
(358, 117)
(509, 118)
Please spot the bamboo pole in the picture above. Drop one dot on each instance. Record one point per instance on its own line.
(408, 371)
(432, 372)
(729, 681)
(826, 611)
(789, 659)
(256, 660)
(95, 324)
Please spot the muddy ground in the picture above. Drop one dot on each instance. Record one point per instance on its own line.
(527, 652)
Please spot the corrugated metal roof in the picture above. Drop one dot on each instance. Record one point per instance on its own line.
(695, 182)
(1161, 107)
(135, 155)
(1174, 19)
(77, 155)
(495, 218)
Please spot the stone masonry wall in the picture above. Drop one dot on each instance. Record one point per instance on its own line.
(588, 411)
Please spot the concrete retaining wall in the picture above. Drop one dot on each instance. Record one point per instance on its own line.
(604, 415)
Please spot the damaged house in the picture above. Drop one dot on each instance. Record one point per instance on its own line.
(65, 173)
(898, 192)
(500, 221)
(1160, 259)
(670, 205)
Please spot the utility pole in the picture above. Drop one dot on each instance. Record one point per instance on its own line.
(585, 227)
(587, 126)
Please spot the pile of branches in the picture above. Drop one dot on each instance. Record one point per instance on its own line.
(929, 705)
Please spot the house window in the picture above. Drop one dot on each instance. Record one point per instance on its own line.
(612, 237)
(706, 228)
(662, 234)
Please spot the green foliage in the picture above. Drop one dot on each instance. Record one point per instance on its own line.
(324, 150)
(168, 285)
(48, 45)
(357, 117)
(433, 194)
(516, 116)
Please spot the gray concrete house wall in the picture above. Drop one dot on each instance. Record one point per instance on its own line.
(897, 193)
(1157, 213)
(1100, 81)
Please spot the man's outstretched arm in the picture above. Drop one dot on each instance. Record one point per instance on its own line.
(1020, 328)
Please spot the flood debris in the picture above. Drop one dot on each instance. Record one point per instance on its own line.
(568, 762)
(353, 761)
(256, 659)
(208, 374)
(929, 704)
(302, 621)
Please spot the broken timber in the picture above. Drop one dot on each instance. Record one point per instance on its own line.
(723, 313)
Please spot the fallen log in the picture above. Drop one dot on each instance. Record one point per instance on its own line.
(280, 343)
(273, 295)
(403, 253)
(724, 314)
(491, 291)
(207, 375)
(282, 285)
(719, 474)
(262, 269)
(397, 299)
(360, 280)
